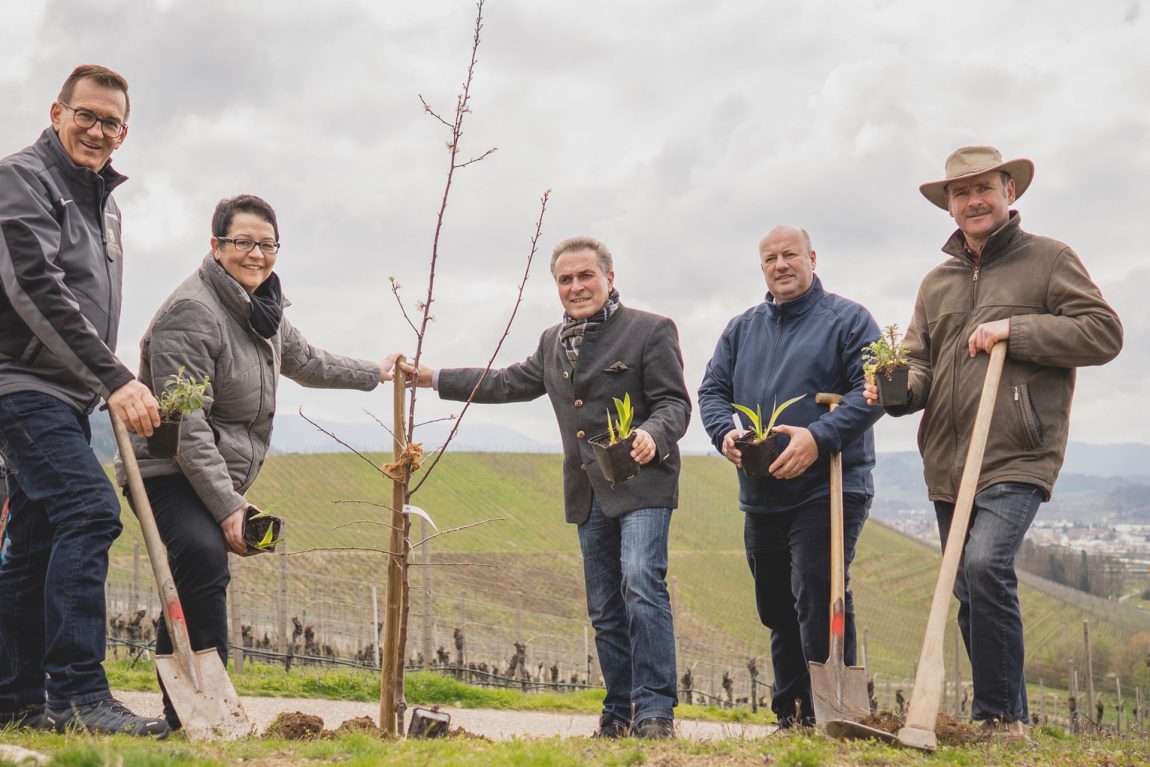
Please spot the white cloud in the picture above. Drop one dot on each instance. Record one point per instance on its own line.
(678, 132)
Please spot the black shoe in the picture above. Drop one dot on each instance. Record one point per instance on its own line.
(655, 728)
(104, 717)
(28, 717)
(611, 728)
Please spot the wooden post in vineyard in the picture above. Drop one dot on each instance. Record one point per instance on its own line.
(1088, 670)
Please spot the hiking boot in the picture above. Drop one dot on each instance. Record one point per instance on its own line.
(29, 717)
(655, 728)
(611, 728)
(104, 717)
(996, 729)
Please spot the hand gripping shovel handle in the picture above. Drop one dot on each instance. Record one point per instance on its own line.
(928, 683)
(157, 554)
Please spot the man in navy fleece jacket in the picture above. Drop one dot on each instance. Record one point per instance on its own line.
(800, 341)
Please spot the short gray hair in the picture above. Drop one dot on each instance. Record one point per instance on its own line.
(606, 261)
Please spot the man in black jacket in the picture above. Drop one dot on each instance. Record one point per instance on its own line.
(600, 352)
(60, 273)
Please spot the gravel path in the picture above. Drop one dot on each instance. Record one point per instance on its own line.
(492, 723)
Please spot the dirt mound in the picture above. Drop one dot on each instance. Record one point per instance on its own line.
(950, 731)
(361, 724)
(296, 725)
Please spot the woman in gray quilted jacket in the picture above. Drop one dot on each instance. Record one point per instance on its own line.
(225, 321)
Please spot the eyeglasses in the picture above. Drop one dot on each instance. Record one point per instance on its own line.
(111, 127)
(246, 245)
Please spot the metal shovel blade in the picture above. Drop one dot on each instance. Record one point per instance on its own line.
(204, 697)
(839, 692)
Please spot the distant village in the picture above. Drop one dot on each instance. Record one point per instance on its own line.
(1108, 560)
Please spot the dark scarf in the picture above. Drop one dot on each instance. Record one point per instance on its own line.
(571, 335)
(267, 307)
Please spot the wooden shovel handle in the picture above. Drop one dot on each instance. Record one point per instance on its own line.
(157, 554)
(928, 682)
(838, 561)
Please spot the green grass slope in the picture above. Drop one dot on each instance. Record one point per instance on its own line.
(527, 578)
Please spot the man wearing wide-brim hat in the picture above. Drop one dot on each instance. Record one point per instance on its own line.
(998, 283)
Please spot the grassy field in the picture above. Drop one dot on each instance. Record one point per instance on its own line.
(1050, 748)
(529, 576)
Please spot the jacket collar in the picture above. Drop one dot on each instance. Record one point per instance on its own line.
(232, 295)
(796, 307)
(995, 244)
(104, 181)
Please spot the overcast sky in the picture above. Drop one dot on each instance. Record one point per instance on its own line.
(676, 131)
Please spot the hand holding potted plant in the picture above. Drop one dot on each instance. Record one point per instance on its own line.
(262, 531)
(182, 394)
(613, 449)
(760, 446)
(887, 366)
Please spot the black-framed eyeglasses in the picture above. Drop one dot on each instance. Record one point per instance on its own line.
(84, 119)
(247, 244)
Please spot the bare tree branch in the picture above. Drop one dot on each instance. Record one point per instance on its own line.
(366, 522)
(474, 160)
(436, 420)
(427, 108)
(402, 309)
(506, 331)
(340, 441)
(385, 427)
(455, 564)
(455, 530)
(462, 107)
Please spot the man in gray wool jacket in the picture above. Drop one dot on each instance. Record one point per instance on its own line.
(603, 350)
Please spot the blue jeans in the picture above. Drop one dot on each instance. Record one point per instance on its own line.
(64, 516)
(625, 572)
(989, 615)
(789, 555)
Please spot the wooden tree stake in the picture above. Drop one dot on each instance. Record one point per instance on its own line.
(391, 702)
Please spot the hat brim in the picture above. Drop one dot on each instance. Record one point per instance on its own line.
(1021, 170)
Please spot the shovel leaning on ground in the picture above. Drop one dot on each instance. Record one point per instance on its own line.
(838, 691)
(922, 715)
(196, 681)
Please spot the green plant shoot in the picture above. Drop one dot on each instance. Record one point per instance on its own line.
(620, 428)
(182, 394)
(885, 355)
(268, 542)
(756, 417)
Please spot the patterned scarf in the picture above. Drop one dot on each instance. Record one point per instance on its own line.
(571, 335)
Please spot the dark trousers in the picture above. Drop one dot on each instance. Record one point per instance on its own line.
(63, 518)
(198, 556)
(789, 556)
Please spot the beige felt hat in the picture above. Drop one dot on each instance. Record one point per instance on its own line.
(972, 160)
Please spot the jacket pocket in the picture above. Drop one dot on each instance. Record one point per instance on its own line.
(1031, 426)
(31, 351)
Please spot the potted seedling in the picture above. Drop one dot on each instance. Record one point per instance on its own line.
(886, 365)
(759, 445)
(182, 394)
(262, 531)
(613, 449)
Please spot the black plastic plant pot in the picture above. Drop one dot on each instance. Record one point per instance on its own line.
(758, 456)
(256, 529)
(165, 440)
(614, 460)
(893, 387)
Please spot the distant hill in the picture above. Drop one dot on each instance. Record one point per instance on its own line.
(1097, 483)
